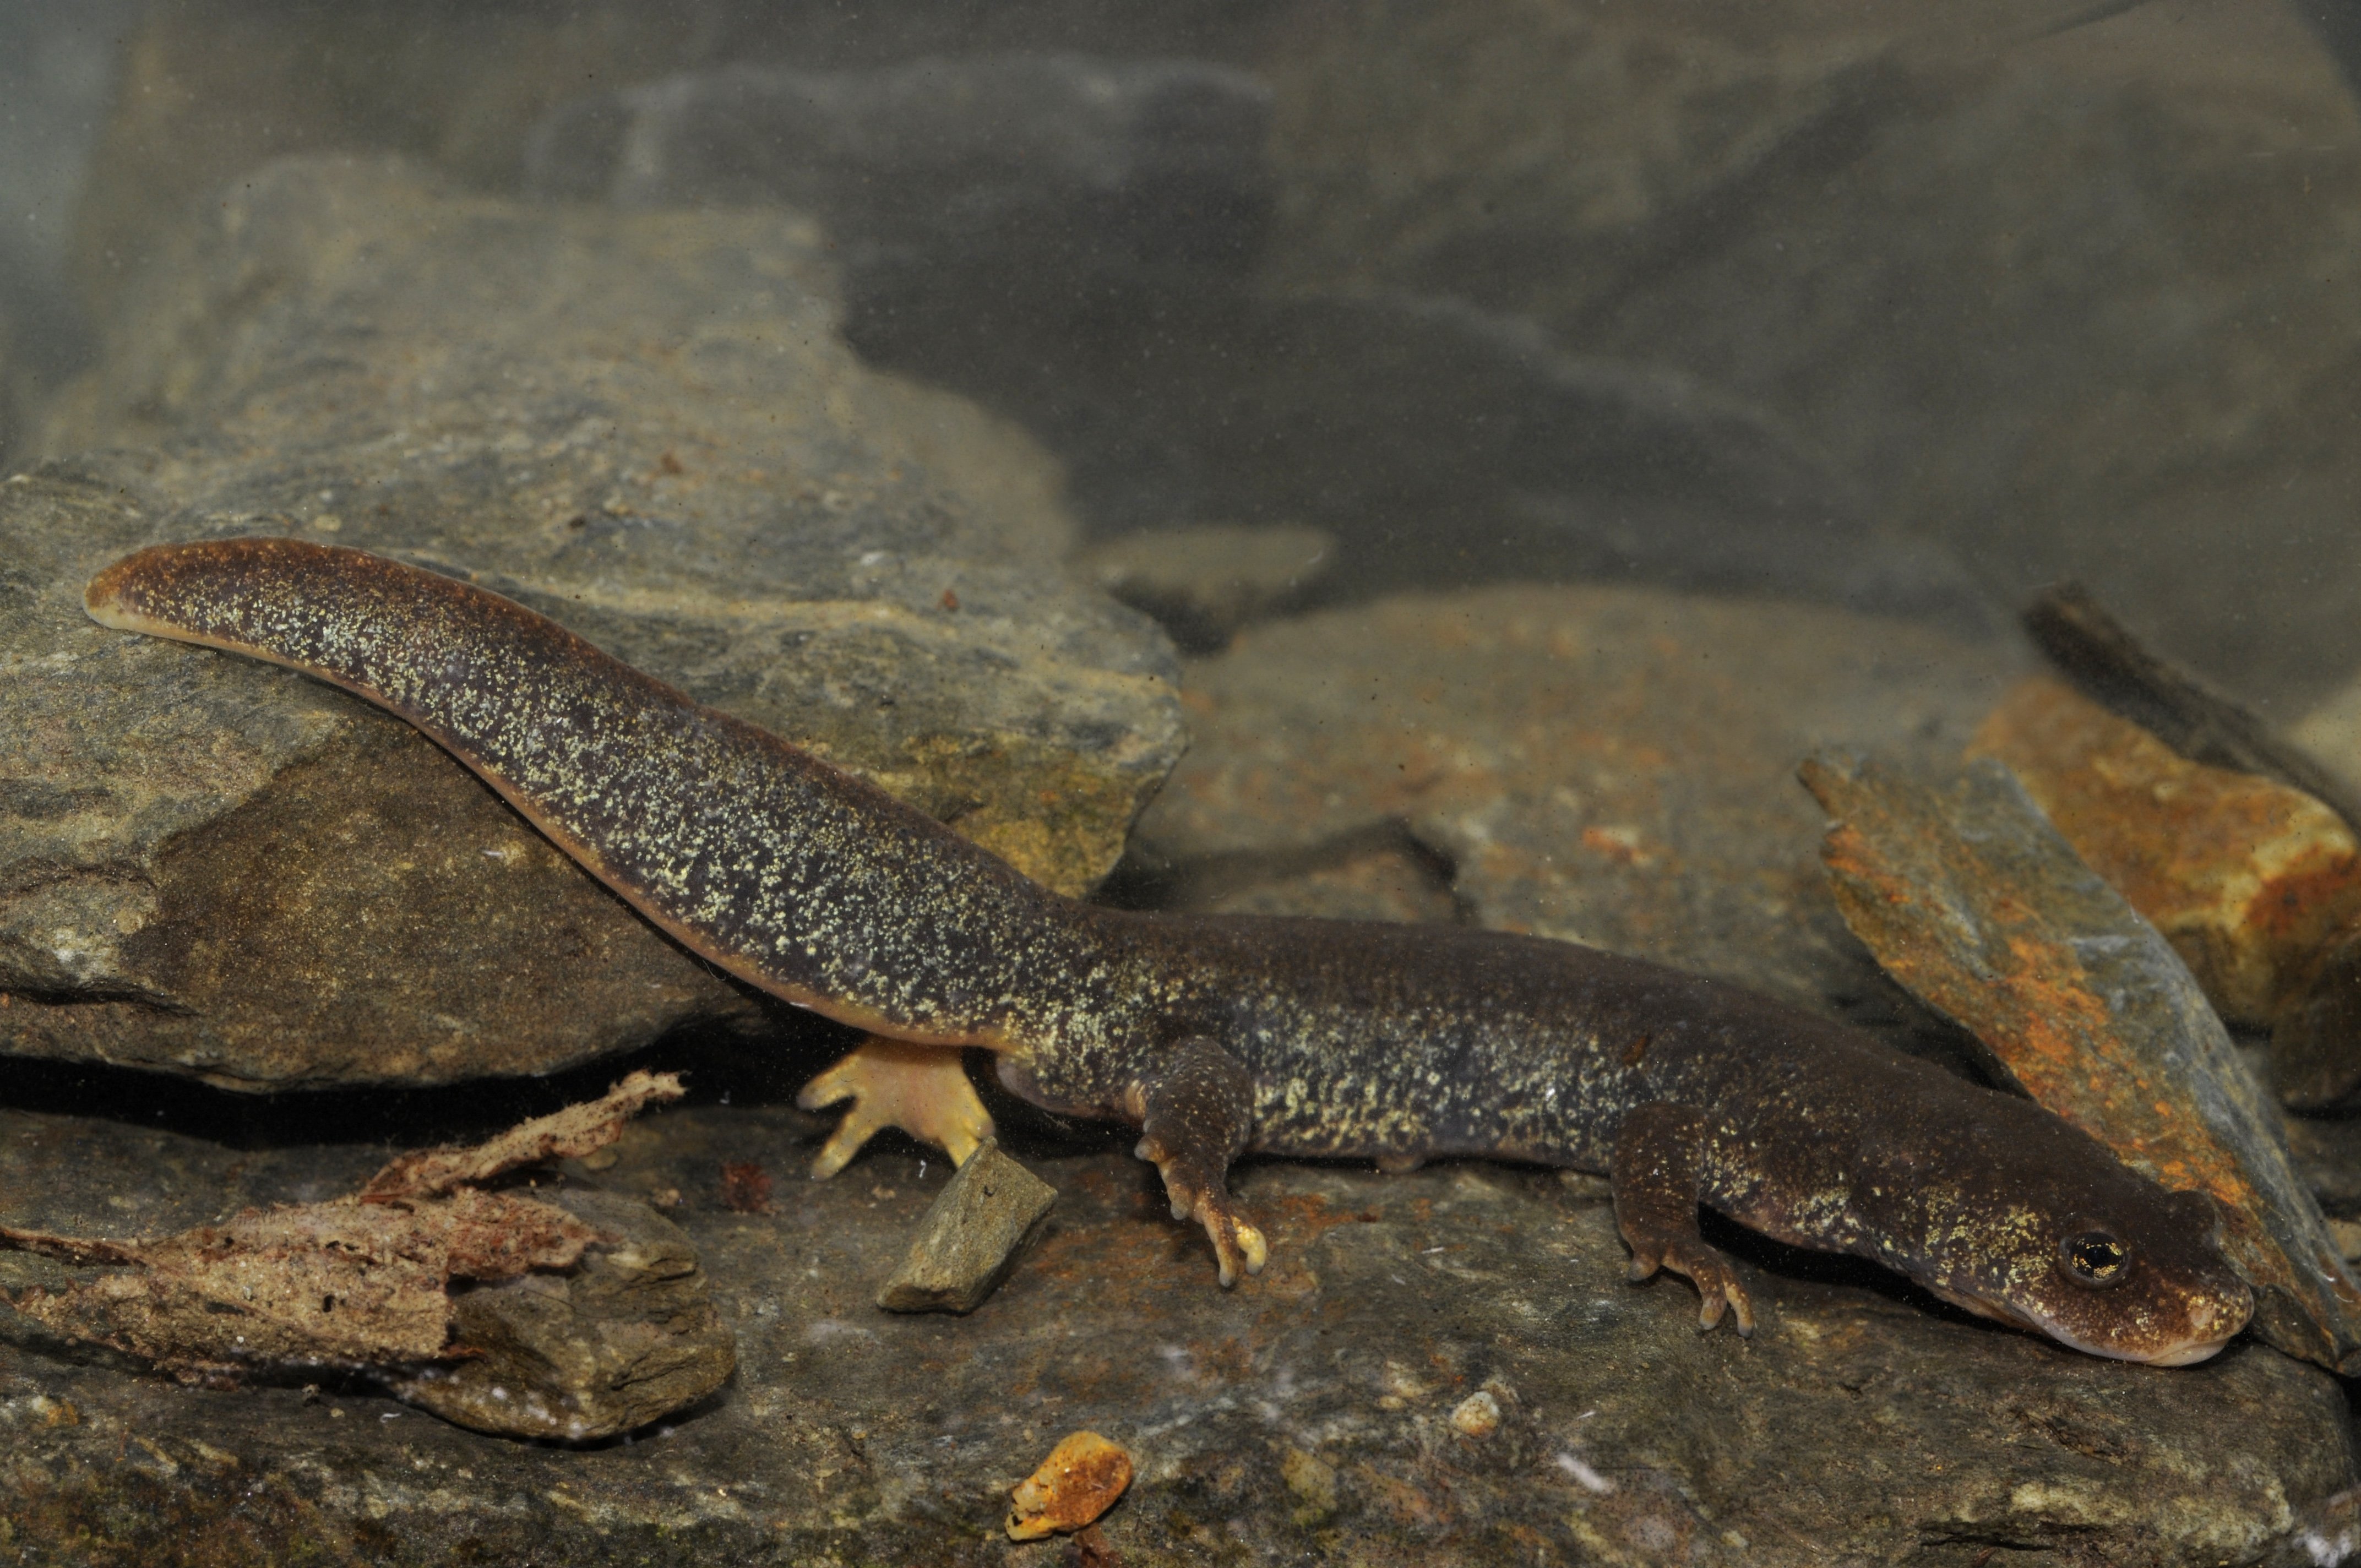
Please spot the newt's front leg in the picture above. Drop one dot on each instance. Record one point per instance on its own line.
(1195, 1106)
(1658, 1172)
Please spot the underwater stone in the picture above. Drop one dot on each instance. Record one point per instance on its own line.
(646, 426)
(969, 1240)
(629, 1335)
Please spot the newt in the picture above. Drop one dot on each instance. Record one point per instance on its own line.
(1221, 1036)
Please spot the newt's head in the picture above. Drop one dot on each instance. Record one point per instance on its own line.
(2044, 1228)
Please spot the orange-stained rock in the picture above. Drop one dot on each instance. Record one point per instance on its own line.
(2249, 881)
(1081, 1480)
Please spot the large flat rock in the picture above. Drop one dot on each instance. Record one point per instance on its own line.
(1446, 1367)
(646, 427)
(1610, 765)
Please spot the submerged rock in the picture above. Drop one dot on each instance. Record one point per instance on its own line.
(970, 1239)
(1974, 254)
(645, 427)
(2251, 880)
(1609, 765)
(629, 1335)
(1203, 582)
(1316, 1412)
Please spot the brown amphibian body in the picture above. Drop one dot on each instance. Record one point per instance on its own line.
(1219, 1035)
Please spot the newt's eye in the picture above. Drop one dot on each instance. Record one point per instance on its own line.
(2094, 1257)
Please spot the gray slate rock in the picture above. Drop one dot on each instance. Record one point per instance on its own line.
(970, 1239)
(646, 427)
(1307, 1415)
(977, 199)
(626, 1337)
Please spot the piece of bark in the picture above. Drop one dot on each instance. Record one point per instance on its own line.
(362, 1283)
(968, 1242)
(342, 1284)
(2098, 654)
(629, 1335)
(570, 1133)
(2249, 879)
(1972, 900)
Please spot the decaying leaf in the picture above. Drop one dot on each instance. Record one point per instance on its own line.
(362, 1282)
(1972, 900)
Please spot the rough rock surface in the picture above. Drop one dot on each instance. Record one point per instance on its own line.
(1609, 765)
(629, 1335)
(1308, 1414)
(644, 426)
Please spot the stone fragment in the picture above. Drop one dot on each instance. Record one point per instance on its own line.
(627, 1336)
(2250, 879)
(969, 1240)
(1610, 765)
(646, 426)
(1971, 899)
(1203, 583)
(1478, 1415)
(1081, 1480)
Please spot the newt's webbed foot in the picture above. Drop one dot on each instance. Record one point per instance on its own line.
(1658, 1164)
(1196, 1114)
(923, 1090)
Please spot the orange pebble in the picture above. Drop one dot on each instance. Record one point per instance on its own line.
(1081, 1480)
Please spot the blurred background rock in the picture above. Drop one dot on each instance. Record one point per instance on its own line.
(1907, 309)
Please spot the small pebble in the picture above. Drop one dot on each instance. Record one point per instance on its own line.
(1478, 1415)
(1081, 1480)
(968, 1239)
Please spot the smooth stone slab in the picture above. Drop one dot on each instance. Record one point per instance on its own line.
(644, 426)
(969, 1240)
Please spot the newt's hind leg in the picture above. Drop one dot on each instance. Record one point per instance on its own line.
(923, 1090)
(1658, 1168)
(1195, 1107)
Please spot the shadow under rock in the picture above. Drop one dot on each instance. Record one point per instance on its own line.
(720, 1065)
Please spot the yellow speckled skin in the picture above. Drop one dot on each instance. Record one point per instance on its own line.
(1217, 1034)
